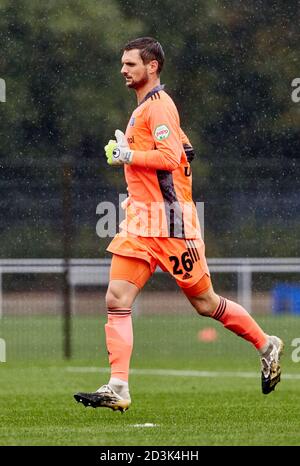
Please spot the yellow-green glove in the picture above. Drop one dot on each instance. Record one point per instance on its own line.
(109, 149)
(117, 151)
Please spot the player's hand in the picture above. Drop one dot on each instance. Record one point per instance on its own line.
(117, 151)
(109, 150)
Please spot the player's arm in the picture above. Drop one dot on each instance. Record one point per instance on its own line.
(188, 148)
(163, 122)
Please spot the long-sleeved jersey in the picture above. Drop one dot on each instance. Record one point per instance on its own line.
(159, 179)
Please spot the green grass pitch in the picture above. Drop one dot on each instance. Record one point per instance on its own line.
(220, 405)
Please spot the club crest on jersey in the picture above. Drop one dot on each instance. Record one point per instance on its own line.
(161, 132)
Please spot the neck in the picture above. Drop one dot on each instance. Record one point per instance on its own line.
(143, 91)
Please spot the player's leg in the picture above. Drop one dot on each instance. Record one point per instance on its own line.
(230, 314)
(235, 318)
(127, 277)
(186, 261)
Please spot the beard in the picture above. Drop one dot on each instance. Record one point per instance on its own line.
(138, 84)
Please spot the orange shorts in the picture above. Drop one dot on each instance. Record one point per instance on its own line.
(136, 258)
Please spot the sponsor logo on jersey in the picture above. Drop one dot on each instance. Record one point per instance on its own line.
(161, 132)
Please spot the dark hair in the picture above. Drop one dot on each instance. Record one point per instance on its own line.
(150, 49)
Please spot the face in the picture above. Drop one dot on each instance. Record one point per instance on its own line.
(135, 72)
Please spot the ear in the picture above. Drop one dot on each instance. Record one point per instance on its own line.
(153, 66)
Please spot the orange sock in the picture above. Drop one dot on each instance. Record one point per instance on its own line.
(119, 341)
(238, 320)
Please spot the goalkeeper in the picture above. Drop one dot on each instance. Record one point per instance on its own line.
(161, 228)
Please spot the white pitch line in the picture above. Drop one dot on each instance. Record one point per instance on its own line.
(147, 424)
(179, 373)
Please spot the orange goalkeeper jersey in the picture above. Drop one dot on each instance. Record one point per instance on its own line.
(159, 178)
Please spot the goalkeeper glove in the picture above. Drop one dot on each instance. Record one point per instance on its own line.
(118, 152)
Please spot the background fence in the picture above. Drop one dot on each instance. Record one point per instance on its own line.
(41, 317)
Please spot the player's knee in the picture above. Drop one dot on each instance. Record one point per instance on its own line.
(203, 308)
(116, 298)
(113, 299)
(206, 304)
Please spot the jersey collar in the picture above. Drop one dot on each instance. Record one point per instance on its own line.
(152, 92)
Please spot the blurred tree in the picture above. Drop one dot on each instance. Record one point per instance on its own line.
(60, 60)
(229, 67)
